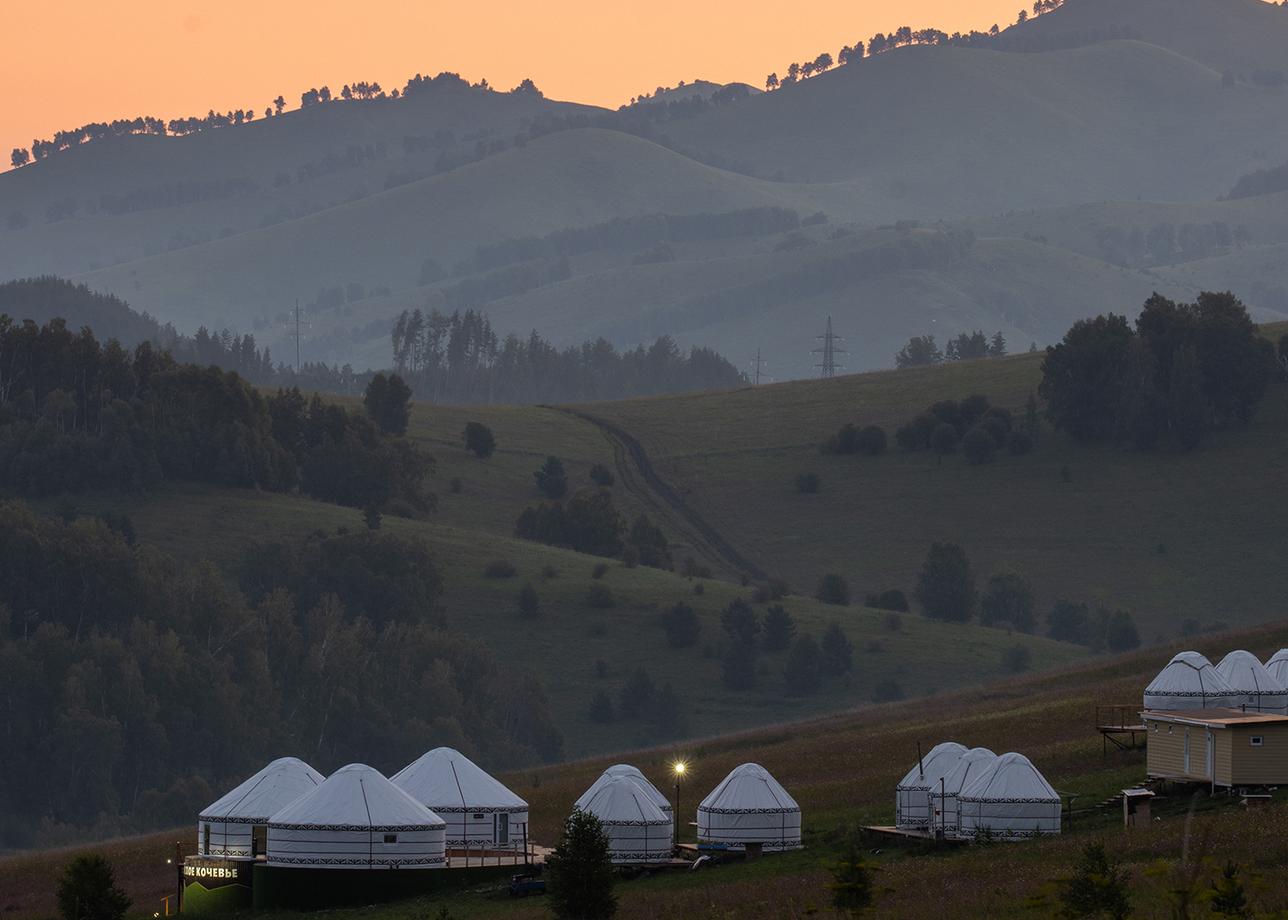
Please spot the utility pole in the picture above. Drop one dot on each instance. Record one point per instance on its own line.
(759, 365)
(829, 350)
(297, 336)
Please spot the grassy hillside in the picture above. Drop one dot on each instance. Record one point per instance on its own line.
(842, 770)
(563, 645)
(572, 178)
(1242, 35)
(1167, 536)
(946, 131)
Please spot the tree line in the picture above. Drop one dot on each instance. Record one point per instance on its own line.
(460, 358)
(139, 687)
(1184, 370)
(78, 414)
(901, 37)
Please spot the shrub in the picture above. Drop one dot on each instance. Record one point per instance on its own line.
(601, 475)
(637, 694)
(838, 653)
(845, 441)
(739, 620)
(1019, 442)
(529, 603)
(499, 568)
(833, 589)
(600, 596)
(587, 523)
(87, 890)
(601, 708)
(779, 628)
(1069, 622)
(630, 557)
(699, 589)
(803, 673)
(693, 570)
(551, 478)
(852, 888)
(479, 440)
(1099, 887)
(1016, 659)
(773, 590)
(893, 599)
(946, 586)
(872, 440)
(944, 440)
(1121, 634)
(372, 518)
(1008, 599)
(651, 544)
(599, 571)
(807, 483)
(681, 625)
(979, 446)
(579, 874)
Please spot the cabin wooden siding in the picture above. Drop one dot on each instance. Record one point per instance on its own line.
(1236, 761)
(1265, 765)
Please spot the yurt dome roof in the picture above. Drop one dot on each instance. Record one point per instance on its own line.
(1277, 665)
(1010, 778)
(968, 768)
(256, 799)
(446, 780)
(1245, 673)
(621, 800)
(625, 770)
(356, 798)
(1186, 676)
(749, 788)
(938, 761)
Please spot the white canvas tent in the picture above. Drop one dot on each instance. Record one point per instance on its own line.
(638, 831)
(1009, 800)
(1277, 665)
(357, 819)
(1190, 682)
(749, 806)
(913, 794)
(481, 813)
(633, 773)
(236, 823)
(972, 765)
(1247, 676)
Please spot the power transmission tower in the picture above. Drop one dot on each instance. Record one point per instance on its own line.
(297, 334)
(759, 365)
(829, 350)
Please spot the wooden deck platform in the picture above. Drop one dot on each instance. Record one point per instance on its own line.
(907, 833)
(1119, 726)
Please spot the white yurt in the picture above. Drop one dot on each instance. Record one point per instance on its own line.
(970, 767)
(638, 831)
(913, 795)
(357, 819)
(1009, 800)
(1247, 676)
(481, 813)
(1190, 682)
(1277, 665)
(633, 773)
(236, 824)
(749, 806)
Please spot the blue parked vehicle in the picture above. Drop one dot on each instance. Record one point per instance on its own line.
(523, 885)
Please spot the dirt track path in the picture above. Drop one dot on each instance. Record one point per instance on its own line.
(637, 474)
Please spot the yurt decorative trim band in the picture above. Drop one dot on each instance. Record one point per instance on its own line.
(360, 828)
(781, 810)
(361, 861)
(498, 809)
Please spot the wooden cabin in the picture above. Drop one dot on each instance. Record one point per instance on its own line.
(1222, 747)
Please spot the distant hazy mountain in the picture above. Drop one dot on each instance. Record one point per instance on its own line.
(1089, 172)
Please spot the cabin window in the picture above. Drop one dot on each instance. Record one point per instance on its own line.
(1154, 725)
(1255, 741)
(391, 838)
(1169, 729)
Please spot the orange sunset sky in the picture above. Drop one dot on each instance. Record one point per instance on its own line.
(67, 62)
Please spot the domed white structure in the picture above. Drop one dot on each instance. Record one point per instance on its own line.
(1277, 665)
(969, 767)
(638, 831)
(633, 773)
(1190, 682)
(1260, 690)
(357, 819)
(1009, 800)
(914, 794)
(749, 806)
(481, 813)
(236, 824)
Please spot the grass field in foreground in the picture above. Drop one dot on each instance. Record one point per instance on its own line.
(842, 770)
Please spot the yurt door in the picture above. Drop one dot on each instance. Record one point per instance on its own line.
(502, 828)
